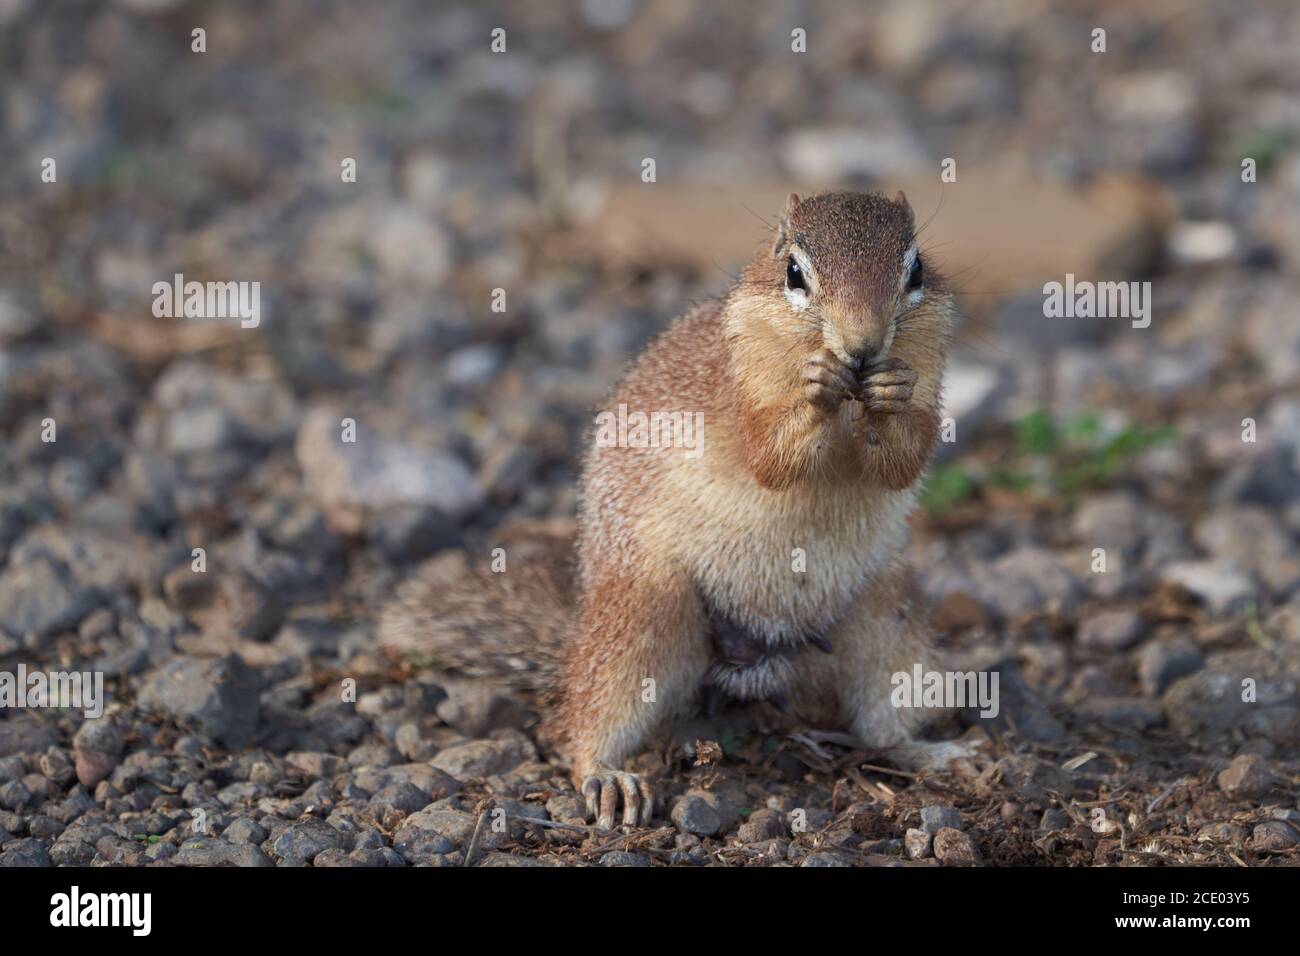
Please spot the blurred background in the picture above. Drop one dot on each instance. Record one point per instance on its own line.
(521, 171)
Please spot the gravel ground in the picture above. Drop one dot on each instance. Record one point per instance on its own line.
(251, 718)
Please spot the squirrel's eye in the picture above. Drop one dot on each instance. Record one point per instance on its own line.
(794, 276)
(915, 276)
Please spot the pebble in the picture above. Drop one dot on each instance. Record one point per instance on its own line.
(1110, 631)
(483, 758)
(697, 812)
(955, 848)
(937, 816)
(378, 471)
(1247, 776)
(1228, 834)
(1029, 579)
(760, 826)
(42, 598)
(1219, 584)
(25, 852)
(217, 696)
(403, 797)
(917, 843)
(824, 858)
(245, 830)
(306, 839)
(1275, 836)
(1163, 662)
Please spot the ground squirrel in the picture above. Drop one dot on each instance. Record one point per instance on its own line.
(771, 566)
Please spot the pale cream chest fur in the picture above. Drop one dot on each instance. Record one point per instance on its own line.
(782, 563)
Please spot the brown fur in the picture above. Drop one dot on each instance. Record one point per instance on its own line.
(793, 458)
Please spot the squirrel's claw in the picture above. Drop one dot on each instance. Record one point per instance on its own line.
(602, 793)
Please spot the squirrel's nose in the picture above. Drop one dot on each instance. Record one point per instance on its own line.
(861, 353)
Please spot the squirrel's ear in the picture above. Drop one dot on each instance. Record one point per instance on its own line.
(791, 204)
(907, 207)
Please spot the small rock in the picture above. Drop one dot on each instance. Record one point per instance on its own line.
(1110, 631)
(415, 846)
(378, 471)
(187, 589)
(97, 748)
(1219, 584)
(937, 816)
(1209, 704)
(25, 734)
(1029, 777)
(1228, 834)
(824, 858)
(484, 758)
(12, 769)
(762, 825)
(42, 598)
(475, 708)
(412, 532)
(56, 767)
(1111, 521)
(1022, 706)
(102, 734)
(306, 839)
(955, 848)
(218, 696)
(44, 827)
(213, 852)
(917, 843)
(241, 609)
(697, 812)
(24, 853)
(1162, 663)
(624, 858)
(316, 764)
(1247, 776)
(1132, 713)
(78, 801)
(1029, 579)
(1255, 541)
(15, 795)
(245, 830)
(402, 797)
(456, 825)
(410, 742)
(1269, 478)
(1274, 836)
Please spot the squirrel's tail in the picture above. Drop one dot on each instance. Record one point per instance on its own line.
(509, 627)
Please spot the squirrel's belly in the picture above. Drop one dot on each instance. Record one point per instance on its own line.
(786, 564)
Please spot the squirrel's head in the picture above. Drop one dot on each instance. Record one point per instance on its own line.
(848, 267)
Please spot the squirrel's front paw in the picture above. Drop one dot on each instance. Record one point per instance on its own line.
(887, 387)
(604, 789)
(827, 381)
